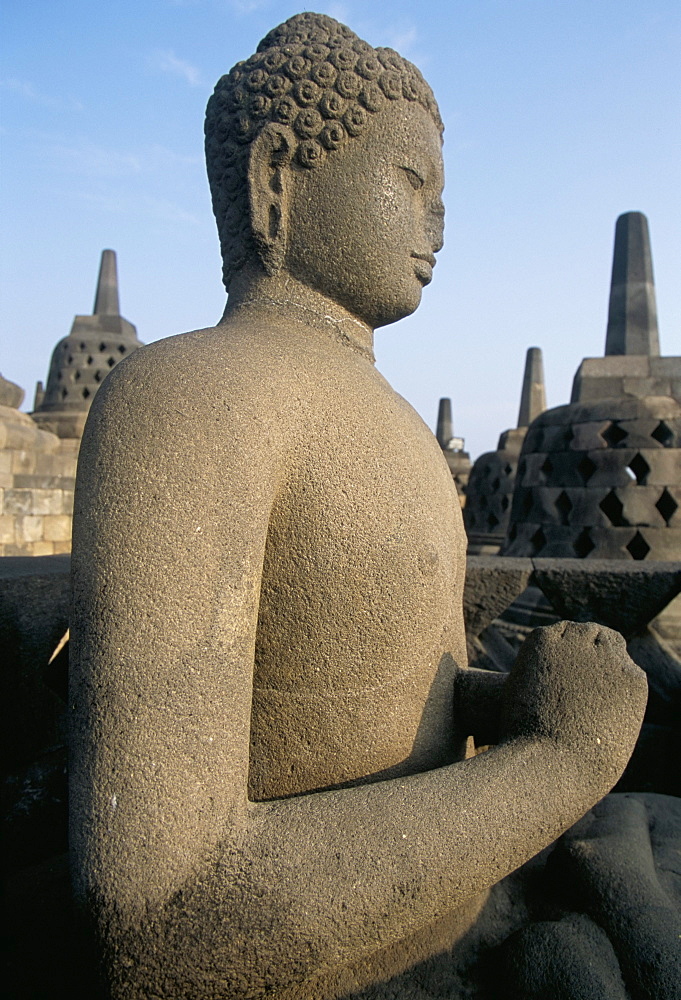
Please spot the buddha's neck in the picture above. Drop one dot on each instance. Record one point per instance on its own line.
(283, 294)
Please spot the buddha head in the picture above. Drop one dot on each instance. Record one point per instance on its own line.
(324, 161)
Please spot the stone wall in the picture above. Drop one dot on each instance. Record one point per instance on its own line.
(37, 477)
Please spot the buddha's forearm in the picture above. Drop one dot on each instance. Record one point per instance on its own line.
(324, 878)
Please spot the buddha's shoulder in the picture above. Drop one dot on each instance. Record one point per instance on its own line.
(225, 359)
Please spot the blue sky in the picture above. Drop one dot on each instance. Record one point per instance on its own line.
(559, 116)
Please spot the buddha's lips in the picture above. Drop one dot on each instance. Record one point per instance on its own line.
(424, 269)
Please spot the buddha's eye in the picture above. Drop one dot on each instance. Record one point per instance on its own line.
(413, 178)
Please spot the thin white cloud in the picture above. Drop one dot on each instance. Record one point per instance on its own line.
(248, 6)
(28, 92)
(144, 205)
(96, 161)
(401, 38)
(339, 11)
(88, 158)
(167, 62)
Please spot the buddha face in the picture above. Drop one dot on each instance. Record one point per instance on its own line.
(365, 225)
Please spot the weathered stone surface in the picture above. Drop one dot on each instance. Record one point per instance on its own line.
(10, 394)
(270, 788)
(624, 597)
(492, 481)
(491, 585)
(458, 460)
(81, 361)
(617, 866)
(533, 395)
(632, 314)
(619, 499)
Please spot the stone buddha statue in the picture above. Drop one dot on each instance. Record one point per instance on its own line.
(272, 784)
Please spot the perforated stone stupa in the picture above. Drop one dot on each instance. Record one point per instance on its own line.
(81, 361)
(601, 477)
(492, 479)
(453, 448)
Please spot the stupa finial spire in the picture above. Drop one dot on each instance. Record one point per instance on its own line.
(106, 298)
(445, 428)
(632, 316)
(533, 396)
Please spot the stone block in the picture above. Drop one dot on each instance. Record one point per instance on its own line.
(23, 462)
(665, 543)
(585, 389)
(46, 442)
(56, 464)
(621, 595)
(644, 432)
(664, 464)
(48, 502)
(491, 585)
(20, 436)
(41, 481)
(523, 539)
(67, 502)
(18, 502)
(62, 548)
(669, 367)
(57, 528)
(15, 550)
(530, 469)
(28, 528)
(639, 506)
(647, 386)
(7, 529)
(613, 365)
(608, 467)
(42, 548)
(588, 436)
(571, 506)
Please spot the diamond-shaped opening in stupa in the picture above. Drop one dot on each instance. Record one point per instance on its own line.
(638, 547)
(563, 505)
(613, 508)
(667, 505)
(613, 434)
(583, 544)
(640, 469)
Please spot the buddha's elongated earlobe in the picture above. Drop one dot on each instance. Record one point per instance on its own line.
(268, 192)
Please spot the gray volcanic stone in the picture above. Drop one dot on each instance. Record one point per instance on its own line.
(81, 361)
(271, 790)
(458, 460)
(600, 480)
(533, 395)
(624, 597)
(10, 394)
(491, 585)
(632, 316)
(490, 487)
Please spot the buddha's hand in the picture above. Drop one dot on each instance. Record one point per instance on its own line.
(575, 686)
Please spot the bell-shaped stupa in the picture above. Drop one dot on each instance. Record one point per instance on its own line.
(81, 361)
(492, 480)
(453, 448)
(601, 477)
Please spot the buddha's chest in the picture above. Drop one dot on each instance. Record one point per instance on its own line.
(360, 606)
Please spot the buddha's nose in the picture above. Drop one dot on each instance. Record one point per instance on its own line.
(436, 225)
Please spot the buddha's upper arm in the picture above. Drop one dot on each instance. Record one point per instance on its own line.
(169, 536)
